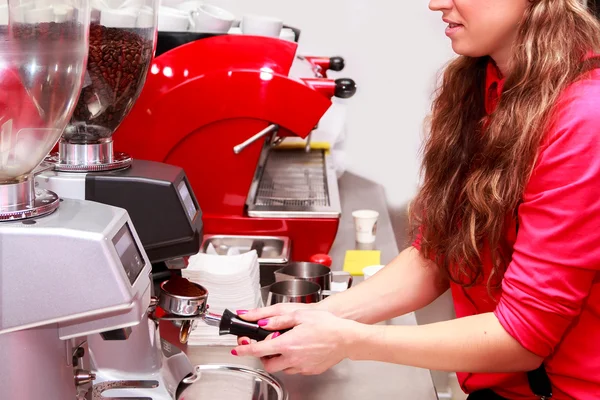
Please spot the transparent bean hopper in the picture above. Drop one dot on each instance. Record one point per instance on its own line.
(122, 43)
(68, 269)
(42, 63)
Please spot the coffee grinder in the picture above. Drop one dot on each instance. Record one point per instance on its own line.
(71, 268)
(157, 196)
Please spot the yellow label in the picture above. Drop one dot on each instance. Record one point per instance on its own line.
(356, 260)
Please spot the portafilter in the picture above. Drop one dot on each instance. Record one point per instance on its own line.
(187, 302)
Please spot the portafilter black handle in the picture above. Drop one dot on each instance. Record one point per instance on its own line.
(231, 324)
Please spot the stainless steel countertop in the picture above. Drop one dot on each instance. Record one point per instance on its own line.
(349, 380)
(359, 193)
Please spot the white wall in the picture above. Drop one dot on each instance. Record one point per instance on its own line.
(393, 49)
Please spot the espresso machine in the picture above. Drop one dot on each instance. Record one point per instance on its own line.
(69, 269)
(221, 107)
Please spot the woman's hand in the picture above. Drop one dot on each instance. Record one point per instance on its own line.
(263, 314)
(318, 341)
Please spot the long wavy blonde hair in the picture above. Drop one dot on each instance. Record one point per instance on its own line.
(473, 181)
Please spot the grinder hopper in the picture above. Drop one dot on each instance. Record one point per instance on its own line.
(41, 70)
(121, 47)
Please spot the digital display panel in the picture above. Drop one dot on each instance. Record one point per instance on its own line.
(187, 199)
(128, 252)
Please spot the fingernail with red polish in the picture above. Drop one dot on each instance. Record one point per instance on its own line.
(245, 342)
(233, 352)
(242, 312)
(276, 335)
(263, 322)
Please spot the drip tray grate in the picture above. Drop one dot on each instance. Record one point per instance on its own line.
(294, 183)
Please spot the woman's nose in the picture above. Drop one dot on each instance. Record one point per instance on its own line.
(440, 5)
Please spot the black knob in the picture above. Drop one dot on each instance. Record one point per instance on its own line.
(80, 352)
(345, 88)
(336, 63)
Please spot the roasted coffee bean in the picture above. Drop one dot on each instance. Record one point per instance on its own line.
(46, 31)
(116, 81)
(183, 287)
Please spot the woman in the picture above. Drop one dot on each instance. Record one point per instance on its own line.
(508, 217)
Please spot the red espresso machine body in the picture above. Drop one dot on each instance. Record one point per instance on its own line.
(204, 98)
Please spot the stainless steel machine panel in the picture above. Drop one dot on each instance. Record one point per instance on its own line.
(36, 364)
(69, 258)
(270, 249)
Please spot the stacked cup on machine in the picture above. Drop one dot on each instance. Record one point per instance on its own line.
(232, 282)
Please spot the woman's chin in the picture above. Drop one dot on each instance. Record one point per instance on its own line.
(463, 49)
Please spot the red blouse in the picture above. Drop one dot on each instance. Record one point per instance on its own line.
(550, 297)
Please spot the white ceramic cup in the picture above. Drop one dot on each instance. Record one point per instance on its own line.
(3, 14)
(173, 20)
(212, 19)
(261, 25)
(132, 4)
(164, 10)
(39, 15)
(189, 6)
(114, 3)
(19, 11)
(371, 270)
(121, 18)
(145, 18)
(62, 13)
(43, 3)
(365, 225)
(287, 34)
(170, 3)
(99, 5)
